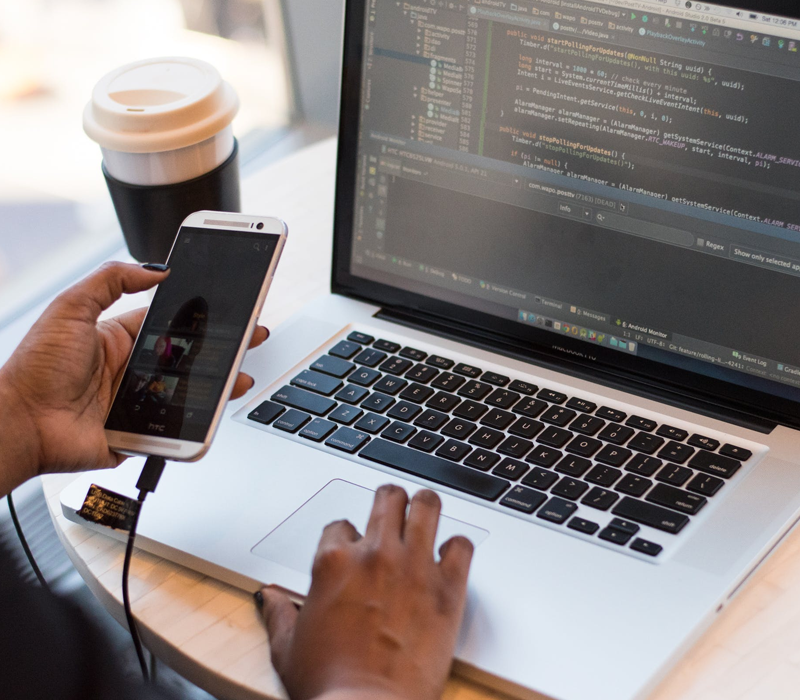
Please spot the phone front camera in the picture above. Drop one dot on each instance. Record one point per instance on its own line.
(260, 225)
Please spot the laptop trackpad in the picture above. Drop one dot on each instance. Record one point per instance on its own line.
(293, 543)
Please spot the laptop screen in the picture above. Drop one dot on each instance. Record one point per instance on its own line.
(620, 180)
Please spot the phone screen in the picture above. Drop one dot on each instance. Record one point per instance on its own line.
(193, 329)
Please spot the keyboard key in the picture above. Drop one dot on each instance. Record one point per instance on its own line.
(525, 427)
(570, 488)
(372, 423)
(643, 465)
(502, 398)
(612, 455)
(646, 547)
(644, 442)
(711, 463)
(439, 362)
(633, 485)
(351, 394)
(587, 527)
(510, 469)
(266, 412)
(377, 402)
(454, 450)
(624, 526)
(736, 452)
(706, 443)
(345, 414)
(413, 354)
(674, 474)
(345, 349)
(498, 419)
(611, 414)
(398, 432)
(306, 401)
(448, 381)
(530, 407)
(318, 429)
(470, 409)
(515, 447)
(540, 478)
(370, 357)
(574, 466)
(443, 402)
(486, 437)
(389, 385)
(482, 459)
(616, 434)
(554, 437)
(605, 476)
(586, 425)
(425, 441)
(552, 396)
(364, 376)
(416, 393)
(361, 338)
(404, 411)
(676, 452)
(601, 499)
(459, 428)
(386, 346)
(651, 515)
(544, 456)
(584, 446)
(495, 378)
(558, 415)
(347, 440)
(432, 420)
(609, 534)
(523, 387)
(467, 370)
(291, 421)
(677, 499)
(440, 471)
(556, 510)
(474, 390)
(335, 366)
(396, 366)
(641, 423)
(421, 373)
(581, 405)
(705, 484)
(671, 433)
(522, 499)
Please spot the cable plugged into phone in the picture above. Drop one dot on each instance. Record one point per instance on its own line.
(147, 483)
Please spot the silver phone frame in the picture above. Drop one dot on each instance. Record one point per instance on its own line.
(135, 444)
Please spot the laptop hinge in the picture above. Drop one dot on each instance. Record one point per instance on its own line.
(513, 348)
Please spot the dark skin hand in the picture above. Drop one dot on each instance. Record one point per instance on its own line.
(382, 616)
(58, 385)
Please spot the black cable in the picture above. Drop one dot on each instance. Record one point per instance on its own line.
(24, 543)
(148, 480)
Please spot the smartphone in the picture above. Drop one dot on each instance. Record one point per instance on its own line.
(195, 335)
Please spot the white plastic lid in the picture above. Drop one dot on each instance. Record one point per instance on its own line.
(159, 104)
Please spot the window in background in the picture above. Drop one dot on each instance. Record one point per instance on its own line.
(56, 218)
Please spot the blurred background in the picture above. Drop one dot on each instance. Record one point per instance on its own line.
(56, 219)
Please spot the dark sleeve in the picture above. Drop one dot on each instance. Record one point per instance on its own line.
(50, 651)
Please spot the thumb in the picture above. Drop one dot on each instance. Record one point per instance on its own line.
(94, 294)
(280, 616)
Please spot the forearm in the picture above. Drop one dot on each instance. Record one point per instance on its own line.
(357, 695)
(18, 452)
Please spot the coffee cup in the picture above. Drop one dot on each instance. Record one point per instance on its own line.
(164, 129)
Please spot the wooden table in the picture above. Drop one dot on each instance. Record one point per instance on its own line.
(212, 634)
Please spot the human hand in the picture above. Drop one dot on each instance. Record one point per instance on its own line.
(60, 381)
(382, 616)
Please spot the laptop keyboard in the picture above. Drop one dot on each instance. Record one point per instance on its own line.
(599, 471)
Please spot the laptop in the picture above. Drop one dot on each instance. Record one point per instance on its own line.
(565, 278)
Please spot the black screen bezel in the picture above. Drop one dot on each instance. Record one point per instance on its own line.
(627, 368)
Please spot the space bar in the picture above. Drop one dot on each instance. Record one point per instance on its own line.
(435, 469)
